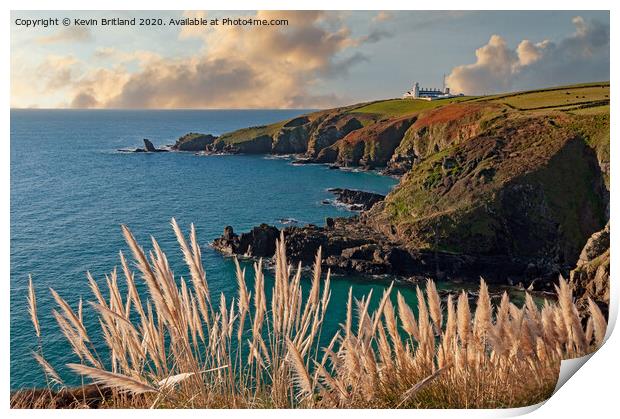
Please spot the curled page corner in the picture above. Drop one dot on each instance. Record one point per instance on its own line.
(568, 368)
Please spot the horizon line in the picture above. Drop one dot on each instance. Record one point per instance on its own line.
(533, 89)
(167, 109)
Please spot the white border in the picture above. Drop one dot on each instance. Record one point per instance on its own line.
(593, 390)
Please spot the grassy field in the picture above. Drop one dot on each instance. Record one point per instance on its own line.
(400, 107)
(556, 97)
(562, 98)
(246, 134)
(596, 110)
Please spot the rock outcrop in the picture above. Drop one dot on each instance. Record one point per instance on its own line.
(331, 129)
(590, 278)
(368, 147)
(350, 246)
(356, 200)
(148, 148)
(194, 142)
(148, 145)
(290, 139)
(296, 122)
(259, 242)
(372, 146)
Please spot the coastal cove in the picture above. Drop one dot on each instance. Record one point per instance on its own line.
(71, 190)
(499, 187)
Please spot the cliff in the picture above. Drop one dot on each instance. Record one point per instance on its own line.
(518, 181)
(194, 142)
(590, 278)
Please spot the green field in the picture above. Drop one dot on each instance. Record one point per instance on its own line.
(555, 98)
(246, 134)
(598, 110)
(561, 98)
(399, 107)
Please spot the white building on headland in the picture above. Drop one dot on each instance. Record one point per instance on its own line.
(423, 93)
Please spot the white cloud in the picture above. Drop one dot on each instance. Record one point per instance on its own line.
(246, 67)
(70, 34)
(382, 16)
(582, 56)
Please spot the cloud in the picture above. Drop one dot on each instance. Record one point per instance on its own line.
(492, 72)
(84, 100)
(193, 31)
(376, 35)
(240, 67)
(105, 53)
(58, 71)
(69, 34)
(382, 16)
(529, 52)
(582, 56)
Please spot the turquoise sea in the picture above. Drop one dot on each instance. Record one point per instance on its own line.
(71, 190)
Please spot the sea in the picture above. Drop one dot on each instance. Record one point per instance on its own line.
(71, 190)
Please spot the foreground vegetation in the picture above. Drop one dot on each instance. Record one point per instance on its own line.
(177, 347)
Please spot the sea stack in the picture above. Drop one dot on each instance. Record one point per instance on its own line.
(148, 145)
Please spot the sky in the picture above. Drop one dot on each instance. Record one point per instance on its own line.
(319, 60)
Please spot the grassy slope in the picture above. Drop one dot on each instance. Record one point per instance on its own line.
(400, 107)
(368, 114)
(587, 103)
(433, 193)
(588, 98)
(534, 93)
(554, 98)
(247, 134)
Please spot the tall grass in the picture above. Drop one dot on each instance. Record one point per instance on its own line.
(180, 346)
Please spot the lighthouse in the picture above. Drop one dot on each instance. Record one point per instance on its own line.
(423, 93)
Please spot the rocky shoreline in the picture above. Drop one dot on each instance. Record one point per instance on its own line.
(350, 246)
(353, 199)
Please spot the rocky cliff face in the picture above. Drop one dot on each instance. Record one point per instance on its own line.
(330, 129)
(528, 188)
(486, 187)
(291, 140)
(194, 142)
(356, 199)
(369, 147)
(308, 135)
(438, 129)
(350, 246)
(590, 278)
